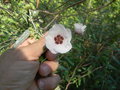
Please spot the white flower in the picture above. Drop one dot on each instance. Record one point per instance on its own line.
(79, 28)
(58, 39)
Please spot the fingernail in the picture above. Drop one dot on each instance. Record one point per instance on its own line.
(57, 77)
(50, 56)
(44, 69)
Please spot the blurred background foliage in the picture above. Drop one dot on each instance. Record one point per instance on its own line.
(94, 61)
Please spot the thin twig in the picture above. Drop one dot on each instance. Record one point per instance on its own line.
(90, 10)
(11, 15)
(69, 82)
(102, 6)
(97, 68)
(63, 4)
(4, 9)
(4, 42)
(46, 27)
(6, 45)
(78, 66)
(91, 72)
(31, 20)
(75, 4)
(47, 12)
(37, 3)
(7, 11)
(40, 34)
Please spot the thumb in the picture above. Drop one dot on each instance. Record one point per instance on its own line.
(34, 50)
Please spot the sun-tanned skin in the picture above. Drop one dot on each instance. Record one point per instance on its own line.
(18, 68)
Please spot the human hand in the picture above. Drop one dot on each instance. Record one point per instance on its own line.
(18, 68)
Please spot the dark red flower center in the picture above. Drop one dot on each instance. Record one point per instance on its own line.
(58, 39)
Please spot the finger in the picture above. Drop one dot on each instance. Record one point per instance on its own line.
(34, 50)
(17, 69)
(50, 56)
(27, 42)
(48, 67)
(49, 83)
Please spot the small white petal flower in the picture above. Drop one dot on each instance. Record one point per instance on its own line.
(79, 28)
(58, 39)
